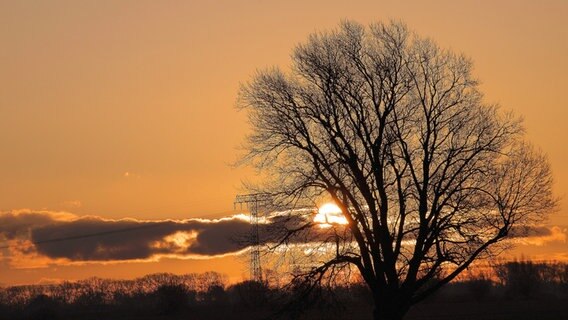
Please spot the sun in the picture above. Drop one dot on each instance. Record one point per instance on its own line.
(328, 215)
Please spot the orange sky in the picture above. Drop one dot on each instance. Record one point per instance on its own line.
(126, 108)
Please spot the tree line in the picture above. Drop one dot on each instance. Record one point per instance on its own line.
(209, 295)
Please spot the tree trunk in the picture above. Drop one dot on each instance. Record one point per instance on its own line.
(389, 309)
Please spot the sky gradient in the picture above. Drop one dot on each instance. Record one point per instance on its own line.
(126, 109)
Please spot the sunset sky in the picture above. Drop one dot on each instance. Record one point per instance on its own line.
(126, 109)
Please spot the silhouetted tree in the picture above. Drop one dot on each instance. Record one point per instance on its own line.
(250, 294)
(42, 307)
(527, 279)
(173, 298)
(395, 131)
(479, 286)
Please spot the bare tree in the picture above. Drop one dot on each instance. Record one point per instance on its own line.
(394, 129)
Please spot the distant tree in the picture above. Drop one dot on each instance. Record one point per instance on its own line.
(249, 294)
(215, 295)
(173, 298)
(42, 307)
(479, 286)
(523, 278)
(394, 130)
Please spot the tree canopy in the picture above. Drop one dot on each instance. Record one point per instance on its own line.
(395, 130)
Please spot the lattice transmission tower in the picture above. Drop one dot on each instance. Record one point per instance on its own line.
(256, 203)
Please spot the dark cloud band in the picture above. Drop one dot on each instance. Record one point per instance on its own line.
(82, 239)
(66, 236)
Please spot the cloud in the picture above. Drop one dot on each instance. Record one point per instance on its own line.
(538, 235)
(18, 223)
(38, 238)
(41, 238)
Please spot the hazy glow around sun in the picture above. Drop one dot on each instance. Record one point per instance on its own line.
(328, 215)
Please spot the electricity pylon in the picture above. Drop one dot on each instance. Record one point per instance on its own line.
(255, 203)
